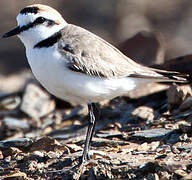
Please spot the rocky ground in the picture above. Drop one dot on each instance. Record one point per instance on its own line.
(145, 137)
(146, 134)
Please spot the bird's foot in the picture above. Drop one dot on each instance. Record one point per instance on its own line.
(84, 159)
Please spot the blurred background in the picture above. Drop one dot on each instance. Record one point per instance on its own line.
(150, 32)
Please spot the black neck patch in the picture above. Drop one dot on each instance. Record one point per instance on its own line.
(26, 10)
(49, 41)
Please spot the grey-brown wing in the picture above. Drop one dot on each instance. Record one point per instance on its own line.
(87, 53)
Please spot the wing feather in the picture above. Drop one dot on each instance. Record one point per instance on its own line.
(87, 53)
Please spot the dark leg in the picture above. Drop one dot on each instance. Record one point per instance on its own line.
(93, 117)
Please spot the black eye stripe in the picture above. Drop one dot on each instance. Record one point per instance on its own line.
(39, 20)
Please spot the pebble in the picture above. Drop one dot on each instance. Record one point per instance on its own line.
(143, 112)
(187, 103)
(19, 142)
(144, 147)
(10, 103)
(183, 137)
(38, 153)
(73, 148)
(154, 145)
(177, 94)
(54, 155)
(13, 123)
(180, 172)
(152, 134)
(185, 147)
(1, 155)
(36, 103)
(7, 159)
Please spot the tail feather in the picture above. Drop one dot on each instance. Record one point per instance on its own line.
(175, 76)
(164, 76)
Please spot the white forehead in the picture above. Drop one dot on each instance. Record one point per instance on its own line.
(24, 19)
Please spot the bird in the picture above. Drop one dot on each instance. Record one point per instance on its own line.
(78, 66)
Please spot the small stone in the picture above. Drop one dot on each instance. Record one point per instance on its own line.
(183, 148)
(156, 176)
(1, 155)
(36, 102)
(99, 153)
(46, 122)
(164, 148)
(34, 133)
(32, 165)
(175, 150)
(183, 137)
(73, 148)
(154, 145)
(140, 152)
(40, 165)
(38, 153)
(177, 94)
(180, 172)
(19, 157)
(144, 147)
(19, 143)
(143, 112)
(187, 103)
(13, 123)
(54, 155)
(47, 130)
(152, 134)
(10, 103)
(109, 135)
(7, 159)
(171, 126)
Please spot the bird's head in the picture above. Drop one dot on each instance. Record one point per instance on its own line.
(36, 23)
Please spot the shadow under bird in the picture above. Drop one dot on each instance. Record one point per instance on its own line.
(78, 66)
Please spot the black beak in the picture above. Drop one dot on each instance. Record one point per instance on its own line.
(13, 32)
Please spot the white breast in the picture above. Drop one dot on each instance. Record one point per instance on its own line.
(49, 68)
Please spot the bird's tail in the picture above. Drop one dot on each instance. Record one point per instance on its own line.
(173, 76)
(163, 76)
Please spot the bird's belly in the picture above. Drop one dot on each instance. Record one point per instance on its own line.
(75, 87)
(80, 88)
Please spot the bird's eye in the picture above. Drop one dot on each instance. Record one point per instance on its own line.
(40, 20)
